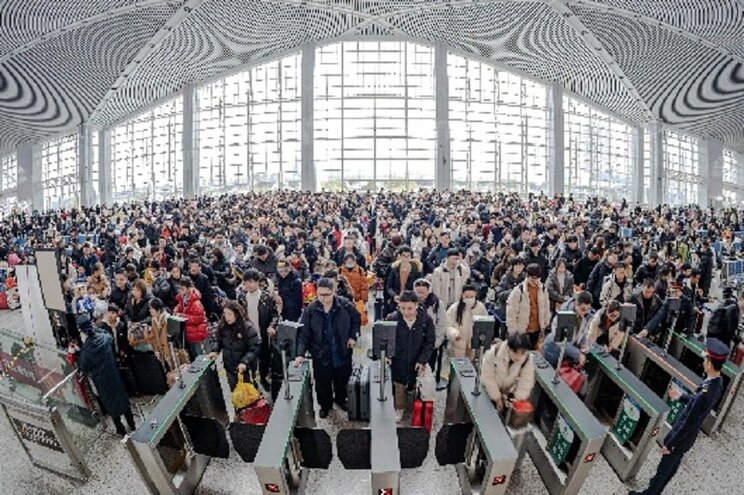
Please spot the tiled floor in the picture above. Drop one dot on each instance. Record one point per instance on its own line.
(713, 467)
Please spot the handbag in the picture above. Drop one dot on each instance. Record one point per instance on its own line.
(522, 413)
(573, 377)
(244, 394)
(426, 385)
(362, 309)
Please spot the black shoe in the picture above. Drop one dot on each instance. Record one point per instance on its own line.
(633, 492)
(121, 431)
(265, 384)
(323, 413)
(342, 406)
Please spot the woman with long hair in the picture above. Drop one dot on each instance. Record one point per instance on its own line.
(238, 341)
(460, 317)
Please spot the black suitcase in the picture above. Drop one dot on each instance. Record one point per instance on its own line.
(358, 394)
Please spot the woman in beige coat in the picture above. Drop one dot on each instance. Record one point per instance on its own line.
(460, 319)
(507, 370)
(605, 328)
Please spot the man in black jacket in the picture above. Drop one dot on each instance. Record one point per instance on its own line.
(201, 282)
(648, 270)
(415, 335)
(726, 327)
(330, 328)
(289, 288)
(584, 267)
(647, 304)
(596, 278)
(535, 255)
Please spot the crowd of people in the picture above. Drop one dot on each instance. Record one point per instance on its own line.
(234, 266)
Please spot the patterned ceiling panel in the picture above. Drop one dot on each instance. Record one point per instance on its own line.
(659, 63)
(718, 21)
(213, 40)
(62, 61)
(56, 84)
(21, 22)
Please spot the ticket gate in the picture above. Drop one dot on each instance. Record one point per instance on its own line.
(292, 444)
(173, 446)
(689, 352)
(566, 437)
(660, 371)
(384, 448)
(633, 411)
(473, 437)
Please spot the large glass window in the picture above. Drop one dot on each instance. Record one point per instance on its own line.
(8, 172)
(374, 116)
(733, 179)
(598, 153)
(681, 169)
(147, 154)
(249, 128)
(498, 128)
(59, 172)
(95, 167)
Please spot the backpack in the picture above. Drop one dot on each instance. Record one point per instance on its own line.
(717, 323)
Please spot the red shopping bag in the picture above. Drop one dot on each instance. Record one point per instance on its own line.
(256, 414)
(573, 377)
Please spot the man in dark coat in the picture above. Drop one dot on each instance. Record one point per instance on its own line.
(597, 277)
(203, 285)
(415, 336)
(289, 288)
(687, 426)
(584, 267)
(647, 305)
(726, 326)
(330, 328)
(97, 360)
(647, 270)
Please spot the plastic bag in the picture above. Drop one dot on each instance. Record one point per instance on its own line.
(427, 385)
(244, 394)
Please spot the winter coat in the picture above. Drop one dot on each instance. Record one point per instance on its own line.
(518, 308)
(268, 267)
(644, 272)
(139, 311)
(551, 348)
(97, 360)
(341, 253)
(238, 345)
(504, 288)
(539, 260)
(196, 318)
(500, 376)
(157, 337)
(290, 290)
(267, 313)
(642, 319)
(100, 287)
(412, 346)
(357, 278)
(206, 293)
(438, 314)
(464, 330)
(557, 294)
(440, 280)
(611, 291)
(596, 279)
(166, 289)
(583, 269)
(119, 296)
(346, 323)
(613, 338)
(392, 283)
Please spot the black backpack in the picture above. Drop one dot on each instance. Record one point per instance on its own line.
(717, 323)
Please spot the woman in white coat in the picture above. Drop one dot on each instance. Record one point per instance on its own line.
(460, 318)
(507, 370)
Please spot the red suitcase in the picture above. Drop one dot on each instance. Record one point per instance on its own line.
(417, 415)
(428, 414)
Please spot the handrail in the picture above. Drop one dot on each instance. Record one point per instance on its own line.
(54, 389)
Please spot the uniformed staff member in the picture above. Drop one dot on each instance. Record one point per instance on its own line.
(687, 426)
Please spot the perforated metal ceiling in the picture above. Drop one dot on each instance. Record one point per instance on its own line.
(64, 62)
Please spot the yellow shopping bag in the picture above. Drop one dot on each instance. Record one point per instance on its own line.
(244, 394)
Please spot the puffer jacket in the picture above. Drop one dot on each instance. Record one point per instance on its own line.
(611, 291)
(502, 377)
(196, 317)
(239, 344)
(558, 294)
(518, 308)
(358, 281)
(464, 330)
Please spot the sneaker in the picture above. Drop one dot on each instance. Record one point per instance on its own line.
(323, 413)
(398, 415)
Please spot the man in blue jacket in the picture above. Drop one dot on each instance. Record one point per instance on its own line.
(687, 426)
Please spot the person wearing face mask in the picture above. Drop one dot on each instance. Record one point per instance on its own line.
(507, 370)
(460, 318)
(356, 276)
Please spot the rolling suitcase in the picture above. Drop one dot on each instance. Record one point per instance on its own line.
(358, 394)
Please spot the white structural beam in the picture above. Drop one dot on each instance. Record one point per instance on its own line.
(443, 175)
(307, 164)
(190, 142)
(638, 162)
(105, 175)
(656, 160)
(85, 165)
(29, 176)
(710, 161)
(556, 146)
